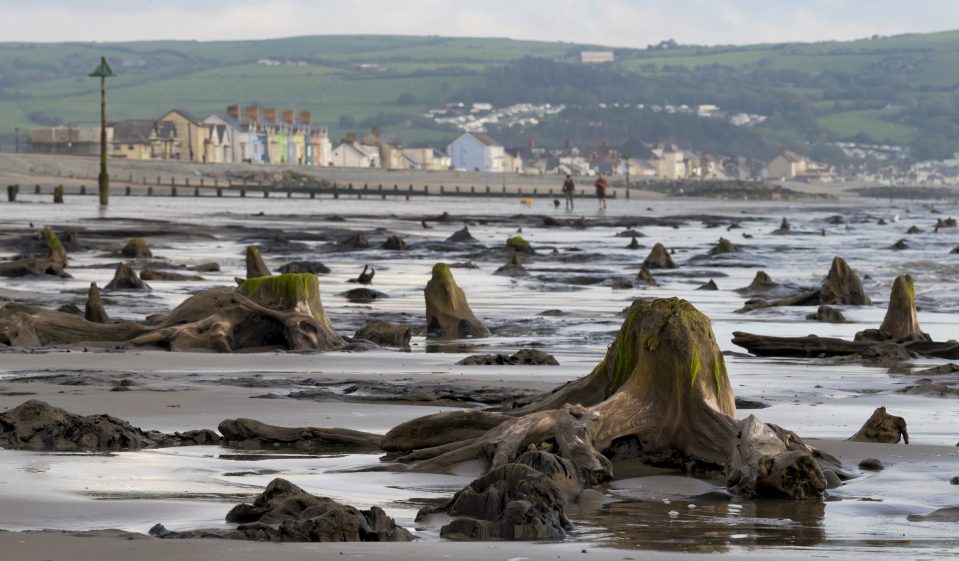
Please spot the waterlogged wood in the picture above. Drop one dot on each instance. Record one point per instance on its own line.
(53, 263)
(255, 266)
(661, 395)
(448, 315)
(761, 465)
(283, 311)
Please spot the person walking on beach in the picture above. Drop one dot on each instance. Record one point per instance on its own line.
(569, 189)
(601, 186)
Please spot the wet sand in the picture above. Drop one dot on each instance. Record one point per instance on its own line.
(823, 401)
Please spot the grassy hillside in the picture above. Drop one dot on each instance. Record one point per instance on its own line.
(900, 89)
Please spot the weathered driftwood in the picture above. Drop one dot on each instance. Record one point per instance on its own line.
(762, 465)
(899, 337)
(285, 513)
(94, 311)
(53, 263)
(283, 311)
(883, 428)
(841, 287)
(250, 432)
(448, 315)
(661, 395)
(255, 266)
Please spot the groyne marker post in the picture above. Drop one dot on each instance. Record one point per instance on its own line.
(103, 72)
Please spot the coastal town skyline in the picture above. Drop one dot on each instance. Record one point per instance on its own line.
(618, 23)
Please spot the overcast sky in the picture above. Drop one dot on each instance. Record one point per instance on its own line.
(633, 23)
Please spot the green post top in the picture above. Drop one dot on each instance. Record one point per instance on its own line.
(104, 70)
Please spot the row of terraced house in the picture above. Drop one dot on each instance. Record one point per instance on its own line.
(252, 134)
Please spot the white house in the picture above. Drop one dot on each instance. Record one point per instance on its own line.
(476, 152)
(351, 155)
(236, 141)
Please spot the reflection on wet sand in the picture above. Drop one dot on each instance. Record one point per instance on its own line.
(704, 526)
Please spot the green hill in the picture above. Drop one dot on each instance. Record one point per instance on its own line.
(900, 89)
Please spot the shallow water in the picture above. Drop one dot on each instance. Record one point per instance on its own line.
(188, 488)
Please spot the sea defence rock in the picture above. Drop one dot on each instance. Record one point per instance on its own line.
(252, 433)
(659, 258)
(462, 236)
(385, 334)
(883, 428)
(255, 266)
(395, 243)
(512, 502)
(126, 278)
(448, 315)
(518, 244)
(287, 513)
(523, 356)
(94, 311)
(314, 267)
(156, 275)
(136, 248)
(512, 269)
(37, 425)
(52, 263)
(645, 276)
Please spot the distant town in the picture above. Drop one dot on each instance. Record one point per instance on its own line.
(265, 135)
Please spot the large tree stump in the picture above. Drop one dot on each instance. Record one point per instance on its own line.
(448, 315)
(283, 311)
(841, 287)
(53, 263)
(660, 395)
(126, 278)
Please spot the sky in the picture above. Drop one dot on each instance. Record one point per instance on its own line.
(622, 23)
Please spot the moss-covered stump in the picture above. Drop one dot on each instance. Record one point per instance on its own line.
(448, 315)
(282, 311)
(659, 258)
(53, 263)
(136, 248)
(94, 311)
(901, 323)
(724, 246)
(277, 312)
(519, 245)
(883, 428)
(661, 395)
(255, 266)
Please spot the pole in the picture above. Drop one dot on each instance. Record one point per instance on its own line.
(16, 132)
(104, 179)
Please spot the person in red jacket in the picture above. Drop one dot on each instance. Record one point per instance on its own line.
(601, 186)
